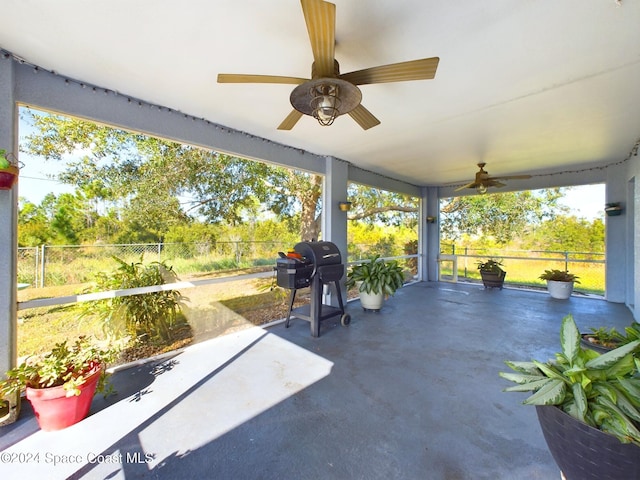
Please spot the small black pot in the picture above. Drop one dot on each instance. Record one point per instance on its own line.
(584, 341)
(586, 453)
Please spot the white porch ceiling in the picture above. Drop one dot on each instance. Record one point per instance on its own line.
(527, 86)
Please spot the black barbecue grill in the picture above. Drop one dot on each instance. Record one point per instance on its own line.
(314, 265)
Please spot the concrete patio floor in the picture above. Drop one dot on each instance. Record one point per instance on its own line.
(411, 392)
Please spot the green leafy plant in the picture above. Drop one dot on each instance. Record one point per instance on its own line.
(4, 161)
(559, 276)
(65, 365)
(490, 266)
(146, 316)
(606, 337)
(631, 333)
(601, 390)
(377, 276)
(612, 338)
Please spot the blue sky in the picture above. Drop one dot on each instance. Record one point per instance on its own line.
(586, 201)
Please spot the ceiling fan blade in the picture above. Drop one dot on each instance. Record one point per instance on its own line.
(242, 78)
(291, 120)
(511, 177)
(320, 17)
(364, 117)
(468, 185)
(494, 183)
(423, 69)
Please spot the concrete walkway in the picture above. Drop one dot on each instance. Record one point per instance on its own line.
(411, 392)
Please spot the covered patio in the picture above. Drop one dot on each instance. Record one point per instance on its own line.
(410, 392)
(545, 89)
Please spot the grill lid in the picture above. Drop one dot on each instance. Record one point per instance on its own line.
(319, 253)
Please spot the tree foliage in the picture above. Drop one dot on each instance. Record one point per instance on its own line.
(498, 215)
(134, 188)
(381, 206)
(154, 184)
(568, 233)
(65, 219)
(148, 174)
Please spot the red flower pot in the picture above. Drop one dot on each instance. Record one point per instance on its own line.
(8, 177)
(55, 411)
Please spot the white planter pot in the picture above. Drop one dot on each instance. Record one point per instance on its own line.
(559, 290)
(371, 301)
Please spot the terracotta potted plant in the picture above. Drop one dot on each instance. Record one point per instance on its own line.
(8, 170)
(492, 273)
(61, 384)
(559, 283)
(375, 279)
(588, 405)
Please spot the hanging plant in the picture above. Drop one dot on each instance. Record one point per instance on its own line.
(8, 170)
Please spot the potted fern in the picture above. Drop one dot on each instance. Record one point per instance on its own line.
(588, 405)
(559, 283)
(61, 384)
(375, 279)
(492, 273)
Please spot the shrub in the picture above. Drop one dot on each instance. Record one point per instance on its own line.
(146, 316)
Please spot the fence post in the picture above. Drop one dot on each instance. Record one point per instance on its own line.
(42, 266)
(566, 261)
(36, 254)
(466, 252)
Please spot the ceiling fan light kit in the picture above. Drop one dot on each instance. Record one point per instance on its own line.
(325, 99)
(328, 94)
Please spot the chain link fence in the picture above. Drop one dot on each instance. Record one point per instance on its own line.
(50, 265)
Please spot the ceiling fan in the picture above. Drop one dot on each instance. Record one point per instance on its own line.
(328, 93)
(483, 180)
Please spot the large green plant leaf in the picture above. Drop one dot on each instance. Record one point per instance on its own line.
(525, 367)
(626, 406)
(607, 360)
(570, 339)
(522, 378)
(529, 386)
(622, 368)
(550, 371)
(606, 389)
(631, 387)
(579, 399)
(572, 409)
(552, 393)
(618, 424)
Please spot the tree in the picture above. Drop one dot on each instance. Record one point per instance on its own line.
(143, 176)
(500, 215)
(568, 233)
(33, 225)
(377, 205)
